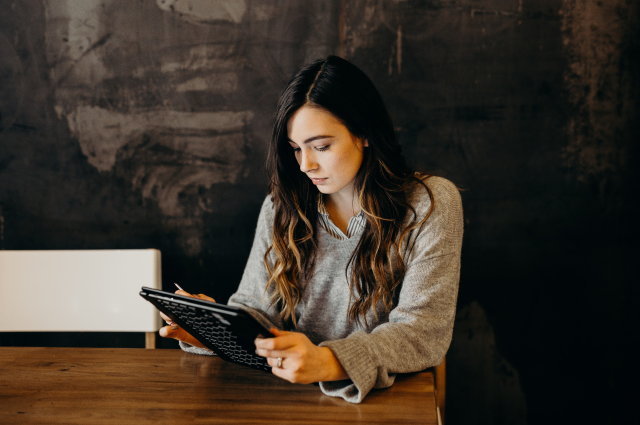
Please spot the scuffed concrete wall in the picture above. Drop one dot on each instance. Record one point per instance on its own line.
(173, 82)
(206, 10)
(123, 82)
(134, 124)
(596, 35)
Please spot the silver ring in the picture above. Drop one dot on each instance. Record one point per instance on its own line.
(279, 365)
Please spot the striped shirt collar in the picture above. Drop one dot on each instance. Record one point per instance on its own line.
(356, 223)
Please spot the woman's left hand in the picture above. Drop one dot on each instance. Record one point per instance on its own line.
(303, 362)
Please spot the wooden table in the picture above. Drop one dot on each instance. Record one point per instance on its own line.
(137, 386)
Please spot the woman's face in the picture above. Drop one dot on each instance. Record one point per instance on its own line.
(325, 150)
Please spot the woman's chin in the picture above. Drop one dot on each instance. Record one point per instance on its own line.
(324, 189)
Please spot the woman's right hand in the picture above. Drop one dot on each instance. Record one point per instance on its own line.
(172, 330)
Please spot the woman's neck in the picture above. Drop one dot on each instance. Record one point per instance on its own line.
(341, 207)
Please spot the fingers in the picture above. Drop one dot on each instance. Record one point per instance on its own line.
(279, 346)
(271, 344)
(169, 331)
(290, 370)
(205, 298)
(272, 353)
(301, 360)
(273, 362)
(281, 341)
(176, 332)
(275, 332)
(199, 296)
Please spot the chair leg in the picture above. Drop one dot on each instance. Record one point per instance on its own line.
(440, 372)
(150, 340)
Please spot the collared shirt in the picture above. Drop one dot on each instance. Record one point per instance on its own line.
(356, 223)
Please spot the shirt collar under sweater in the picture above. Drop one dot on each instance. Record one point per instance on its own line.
(356, 223)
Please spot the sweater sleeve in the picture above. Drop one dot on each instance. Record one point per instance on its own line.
(420, 326)
(249, 295)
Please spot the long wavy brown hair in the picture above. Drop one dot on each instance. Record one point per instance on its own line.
(376, 268)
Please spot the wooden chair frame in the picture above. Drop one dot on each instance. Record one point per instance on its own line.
(440, 389)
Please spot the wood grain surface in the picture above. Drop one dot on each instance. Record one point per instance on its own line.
(137, 386)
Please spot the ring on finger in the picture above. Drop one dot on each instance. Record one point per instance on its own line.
(279, 365)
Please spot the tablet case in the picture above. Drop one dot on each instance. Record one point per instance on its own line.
(227, 331)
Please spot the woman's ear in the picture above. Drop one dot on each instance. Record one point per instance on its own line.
(366, 143)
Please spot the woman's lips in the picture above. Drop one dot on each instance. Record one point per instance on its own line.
(318, 181)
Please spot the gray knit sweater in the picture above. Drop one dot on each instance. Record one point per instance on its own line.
(417, 332)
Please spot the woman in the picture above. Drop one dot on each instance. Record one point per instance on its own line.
(354, 253)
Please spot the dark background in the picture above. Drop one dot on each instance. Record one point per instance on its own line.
(144, 124)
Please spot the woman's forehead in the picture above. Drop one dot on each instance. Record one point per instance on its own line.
(308, 122)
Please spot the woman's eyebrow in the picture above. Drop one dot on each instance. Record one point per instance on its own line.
(311, 139)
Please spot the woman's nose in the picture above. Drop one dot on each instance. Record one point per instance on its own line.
(307, 162)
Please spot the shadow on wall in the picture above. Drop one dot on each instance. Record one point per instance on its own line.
(479, 379)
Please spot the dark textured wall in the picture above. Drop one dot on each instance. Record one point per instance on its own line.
(134, 124)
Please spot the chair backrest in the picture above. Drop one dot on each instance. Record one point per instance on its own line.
(90, 290)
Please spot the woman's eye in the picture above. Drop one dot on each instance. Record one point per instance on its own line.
(322, 148)
(295, 149)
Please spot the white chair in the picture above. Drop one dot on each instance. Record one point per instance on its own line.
(79, 291)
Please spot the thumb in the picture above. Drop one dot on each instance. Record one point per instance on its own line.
(278, 332)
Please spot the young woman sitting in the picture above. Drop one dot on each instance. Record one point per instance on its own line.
(356, 259)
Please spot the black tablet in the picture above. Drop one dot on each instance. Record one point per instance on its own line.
(228, 331)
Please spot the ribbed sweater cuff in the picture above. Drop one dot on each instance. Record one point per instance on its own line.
(352, 354)
(196, 350)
